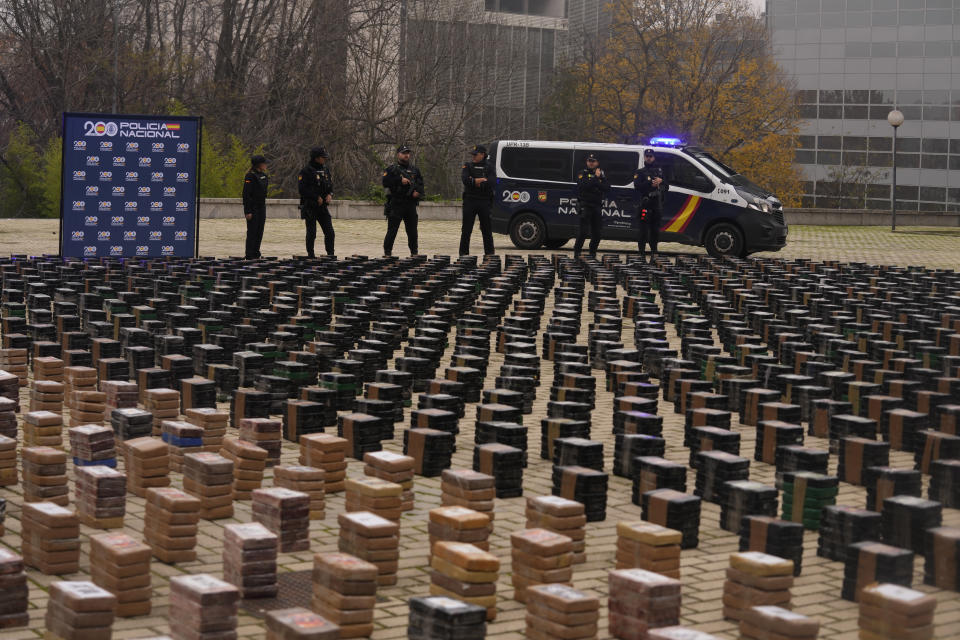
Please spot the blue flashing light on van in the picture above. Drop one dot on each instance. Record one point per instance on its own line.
(708, 204)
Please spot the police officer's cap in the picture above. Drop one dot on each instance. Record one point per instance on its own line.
(404, 149)
(478, 148)
(648, 152)
(592, 156)
(318, 152)
(257, 160)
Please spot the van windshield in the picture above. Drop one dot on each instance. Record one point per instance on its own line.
(724, 172)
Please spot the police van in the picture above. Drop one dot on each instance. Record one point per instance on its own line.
(708, 204)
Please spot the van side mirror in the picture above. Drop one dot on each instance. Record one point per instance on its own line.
(702, 183)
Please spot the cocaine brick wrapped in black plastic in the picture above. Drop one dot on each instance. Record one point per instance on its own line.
(900, 426)
(675, 510)
(885, 482)
(438, 419)
(776, 537)
(444, 401)
(906, 518)
(197, 393)
(716, 468)
(443, 618)
(572, 410)
(586, 486)
(849, 425)
(654, 472)
(867, 563)
(130, 423)
(508, 433)
(805, 494)
(471, 378)
(431, 450)
(344, 384)
(945, 482)
(822, 412)
(403, 379)
(249, 403)
(628, 422)
(744, 498)
(799, 458)
(527, 386)
(712, 439)
(504, 463)
(628, 447)
(933, 446)
(841, 526)
(573, 394)
(941, 550)
(302, 417)
(448, 387)
(553, 428)
(363, 432)
(772, 434)
(578, 452)
(704, 417)
(856, 454)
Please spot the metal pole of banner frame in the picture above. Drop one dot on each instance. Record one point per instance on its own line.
(895, 119)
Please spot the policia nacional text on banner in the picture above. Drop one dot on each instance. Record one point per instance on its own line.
(129, 186)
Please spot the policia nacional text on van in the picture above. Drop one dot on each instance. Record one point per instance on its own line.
(706, 203)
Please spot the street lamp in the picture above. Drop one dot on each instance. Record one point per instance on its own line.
(895, 118)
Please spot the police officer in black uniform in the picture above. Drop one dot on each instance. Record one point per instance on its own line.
(477, 178)
(404, 185)
(316, 191)
(592, 186)
(650, 184)
(255, 185)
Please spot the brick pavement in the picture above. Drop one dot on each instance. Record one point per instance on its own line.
(816, 591)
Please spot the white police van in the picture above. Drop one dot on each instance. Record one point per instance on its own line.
(708, 204)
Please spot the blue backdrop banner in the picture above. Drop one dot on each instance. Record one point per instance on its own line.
(130, 186)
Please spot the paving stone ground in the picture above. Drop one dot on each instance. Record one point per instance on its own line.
(816, 591)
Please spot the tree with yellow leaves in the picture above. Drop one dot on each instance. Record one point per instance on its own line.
(700, 70)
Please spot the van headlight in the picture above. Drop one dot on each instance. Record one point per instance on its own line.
(759, 205)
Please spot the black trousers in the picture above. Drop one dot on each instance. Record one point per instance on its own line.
(254, 235)
(649, 229)
(473, 209)
(590, 221)
(406, 214)
(311, 218)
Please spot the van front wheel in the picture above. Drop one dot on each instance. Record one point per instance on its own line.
(527, 231)
(723, 240)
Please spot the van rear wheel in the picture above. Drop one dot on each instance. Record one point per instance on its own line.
(555, 243)
(724, 240)
(527, 231)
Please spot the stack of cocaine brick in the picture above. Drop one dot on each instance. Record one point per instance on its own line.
(92, 444)
(805, 494)
(8, 461)
(893, 612)
(945, 482)
(329, 453)
(48, 368)
(461, 570)
(50, 538)
(14, 362)
(653, 472)
(44, 475)
(905, 519)
(363, 431)
(756, 579)
(642, 545)
(209, 477)
(392, 467)
(640, 601)
(760, 623)
(250, 559)
(563, 516)
(430, 449)
(674, 510)
(774, 537)
(164, 405)
(941, 568)
(559, 611)
(508, 433)
(886, 482)
(249, 462)
(555, 427)
(799, 458)
(170, 524)
(772, 434)
(14, 593)
(308, 480)
(87, 407)
(266, 434)
(131, 423)
(459, 524)
(468, 488)
(578, 452)
(933, 446)
(504, 463)
(298, 623)
(43, 429)
(301, 417)
(146, 463)
(287, 514)
(10, 387)
(248, 403)
(869, 562)
(345, 592)
(182, 438)
(374, 539)
(900, 427)
(202, 607)
(842, 526)
(442, 618)
(197, 392)
(121, 565)
(539, 557)
(214, 425)
(857, 454)
(8, 418)
(120, 394)
(79, 610)
(586, 486)
(630, 446)
(715, 469)
(47, 395)
(746, 498)
(101, 496)
(374, 495)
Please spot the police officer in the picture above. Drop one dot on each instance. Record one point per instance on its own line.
(650, 185)
(404, 185)
(477, 177)
(592, 186)
(255, 185)
(316, 191)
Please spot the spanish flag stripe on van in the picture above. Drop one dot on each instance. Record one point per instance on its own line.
(683, 218)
